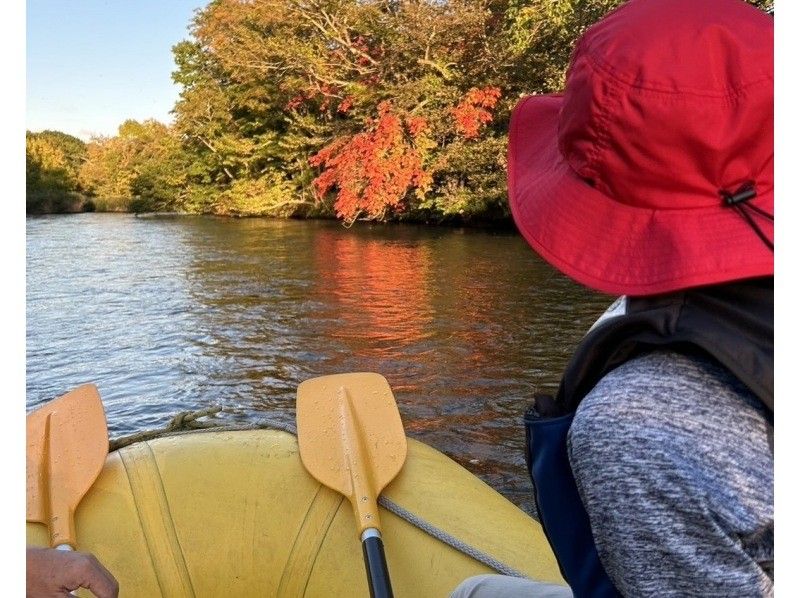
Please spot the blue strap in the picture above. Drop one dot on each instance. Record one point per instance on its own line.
(561, 511)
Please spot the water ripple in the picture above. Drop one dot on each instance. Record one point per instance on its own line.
(166, 315)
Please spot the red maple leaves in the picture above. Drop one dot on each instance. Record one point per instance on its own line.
(373, 171)
(473, 111)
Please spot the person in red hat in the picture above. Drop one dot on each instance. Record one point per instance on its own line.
(651, 177)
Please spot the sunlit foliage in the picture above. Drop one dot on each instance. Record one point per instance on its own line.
(359, 109)
(370, 109)
(142, 168)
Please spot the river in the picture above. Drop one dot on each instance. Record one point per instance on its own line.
(169, 314)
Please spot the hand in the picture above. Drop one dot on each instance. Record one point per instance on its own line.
(55, 573)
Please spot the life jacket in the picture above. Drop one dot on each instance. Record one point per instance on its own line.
(732, 323)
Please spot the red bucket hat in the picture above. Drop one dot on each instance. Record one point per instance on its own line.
(653, 171)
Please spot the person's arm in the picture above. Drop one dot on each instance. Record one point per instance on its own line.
(55, 573)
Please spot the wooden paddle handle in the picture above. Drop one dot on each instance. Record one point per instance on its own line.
(380, 586)
(61, 491)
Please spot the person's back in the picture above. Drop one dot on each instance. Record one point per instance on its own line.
(651, 177)
(680, 498)
(671, 454)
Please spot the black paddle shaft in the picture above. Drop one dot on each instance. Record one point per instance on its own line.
(377, 572)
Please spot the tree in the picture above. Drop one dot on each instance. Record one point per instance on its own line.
(376, 109)
(376, 169)
(319, 96)
(52, 162)
(143, 168)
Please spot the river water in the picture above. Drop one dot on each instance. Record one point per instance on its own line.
(180, 313)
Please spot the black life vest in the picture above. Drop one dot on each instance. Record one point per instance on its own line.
(732, 323)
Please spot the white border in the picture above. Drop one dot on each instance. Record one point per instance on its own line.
(12, 307)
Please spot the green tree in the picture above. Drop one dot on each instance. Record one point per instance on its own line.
(52, 162)
(270, 84)
(143, 168)
(378, 109)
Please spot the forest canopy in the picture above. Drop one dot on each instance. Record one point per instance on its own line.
(52, 163)
(371, 109)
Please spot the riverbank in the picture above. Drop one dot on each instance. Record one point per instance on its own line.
(57, 202)
(77, 204)
(53, 202)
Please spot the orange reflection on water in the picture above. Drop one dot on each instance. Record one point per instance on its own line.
(379, 290)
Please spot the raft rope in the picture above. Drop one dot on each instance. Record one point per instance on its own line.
(451, 541)
(187, 422)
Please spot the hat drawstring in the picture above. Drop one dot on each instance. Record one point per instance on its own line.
(740, 201)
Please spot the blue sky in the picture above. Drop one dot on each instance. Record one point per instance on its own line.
(91, 64)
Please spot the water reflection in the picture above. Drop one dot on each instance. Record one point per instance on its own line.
(175, 314)
(375, 295)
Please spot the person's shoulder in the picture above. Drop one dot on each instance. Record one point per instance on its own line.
(669, 372)
(659, 386)
(669, 365)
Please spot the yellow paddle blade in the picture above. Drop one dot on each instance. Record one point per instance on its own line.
(351, 437)
(67, 445)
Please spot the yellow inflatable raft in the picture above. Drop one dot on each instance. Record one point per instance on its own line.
(236, 514)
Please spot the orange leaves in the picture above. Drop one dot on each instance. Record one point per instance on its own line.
(345, 105)
(295, 102)
(473, 111)
(373, 171)
(417, 126)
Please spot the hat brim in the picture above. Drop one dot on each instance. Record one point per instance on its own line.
(610, 246)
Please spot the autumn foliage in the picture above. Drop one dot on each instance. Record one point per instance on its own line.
(363, 109)
(372, 172)
(474, 110)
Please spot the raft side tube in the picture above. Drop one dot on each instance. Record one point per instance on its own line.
(236, 514)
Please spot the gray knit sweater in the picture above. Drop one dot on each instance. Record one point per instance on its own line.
(673, 459)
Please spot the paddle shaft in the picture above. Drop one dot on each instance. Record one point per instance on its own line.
(374, 558)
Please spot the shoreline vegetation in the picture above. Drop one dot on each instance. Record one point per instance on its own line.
(379, 110)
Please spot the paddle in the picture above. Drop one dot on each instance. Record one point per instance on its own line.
(67, 445)
(352, 440)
